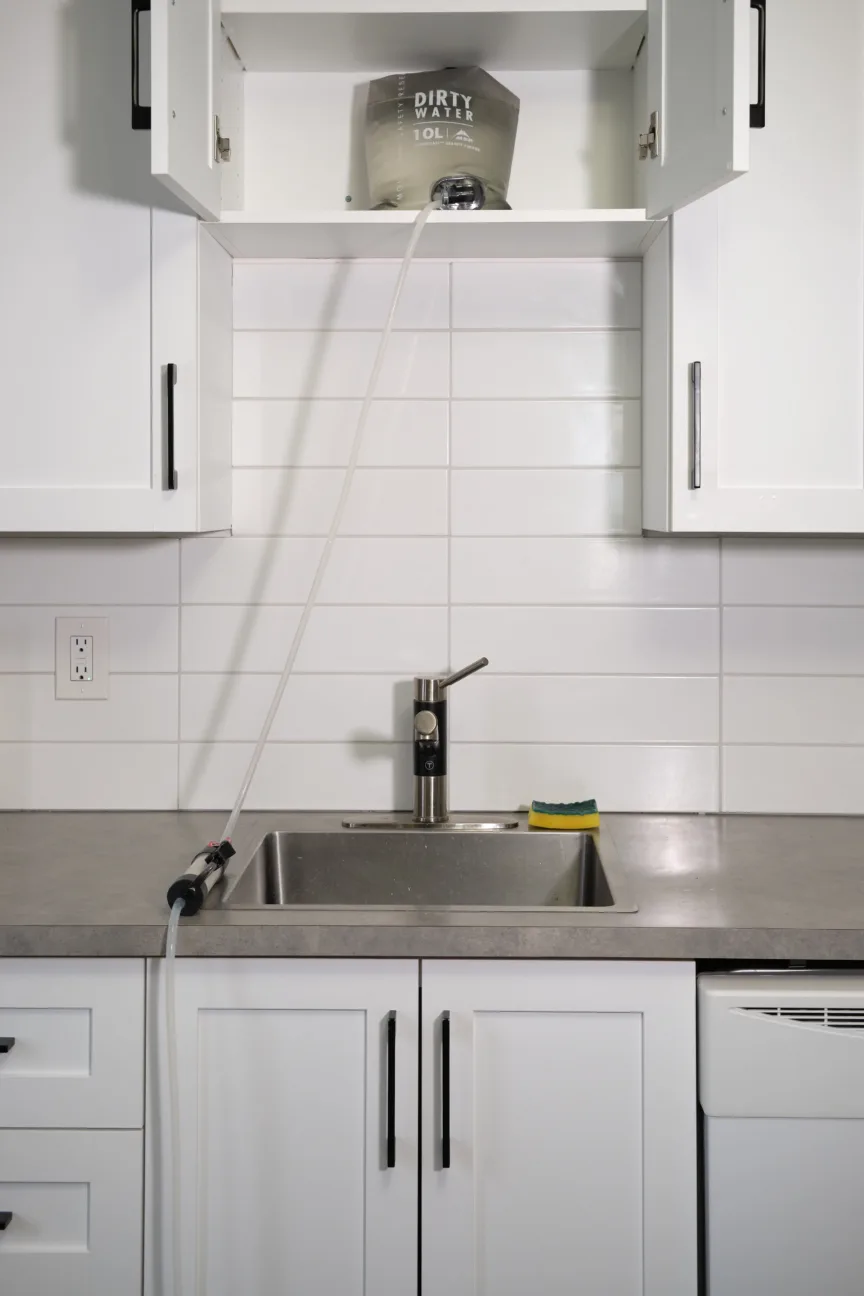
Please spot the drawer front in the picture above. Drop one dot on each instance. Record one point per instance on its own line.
(75, 1200)
(77, 1060)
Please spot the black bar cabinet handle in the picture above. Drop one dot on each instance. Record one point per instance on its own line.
(7, 1043)
(170, 469)
(5, 1220)
(391, 1091)
(140, 113)
(757, 110)
(445, 1091)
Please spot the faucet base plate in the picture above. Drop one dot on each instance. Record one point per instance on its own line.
(451, 825)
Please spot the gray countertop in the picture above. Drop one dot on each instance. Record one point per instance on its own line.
(707, 887)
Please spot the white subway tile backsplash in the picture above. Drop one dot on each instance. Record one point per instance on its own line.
(231, 639)
(546, 365)
(587, 709)
(793, 780)
(302, 501)
(417, 365)
(72, 570)
(495, 511)
(542, 502)
(249, 569)
(340, 640)
(793, 709)
(88, 776)
(670, 780)
(319, 433)
(340, 295)
(821, 572)
(600, 570)
(142, 639)
(140, 708)
(407, 570)
(547, 295)
(546, 434)
(793, 641)
(275, 569)
(588, 641)
(298, 776)
(315, 708)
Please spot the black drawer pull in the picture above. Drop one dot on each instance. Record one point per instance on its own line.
(757, 110)
(5, 1220)
(140, 112)
(7, 1043)
(391, 1091)
(170, 465)
(445, 1091)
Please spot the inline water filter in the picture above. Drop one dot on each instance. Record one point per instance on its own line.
(448, 135)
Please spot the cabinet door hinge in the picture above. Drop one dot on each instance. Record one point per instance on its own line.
(221, 145)
(649, 144)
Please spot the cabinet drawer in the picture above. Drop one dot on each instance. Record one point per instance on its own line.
(77, 1061)
(75, 1198)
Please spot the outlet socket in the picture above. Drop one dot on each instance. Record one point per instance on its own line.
(81, 658)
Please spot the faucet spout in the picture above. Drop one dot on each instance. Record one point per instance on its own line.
(430, 744)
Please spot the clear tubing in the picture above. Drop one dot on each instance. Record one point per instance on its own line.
(323, 561)
(172, 1220)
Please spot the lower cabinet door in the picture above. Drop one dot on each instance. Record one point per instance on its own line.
(75, 1199)
(559, 1129)
(298, 1128)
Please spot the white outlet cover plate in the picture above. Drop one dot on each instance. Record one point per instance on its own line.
(66, 688)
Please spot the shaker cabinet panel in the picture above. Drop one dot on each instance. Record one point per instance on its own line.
(558, 1129)
(73, 1203)
(765, 309)
(73, 1043)
(185, 47)
(298, 1113)
(699, 88)
(100, 296)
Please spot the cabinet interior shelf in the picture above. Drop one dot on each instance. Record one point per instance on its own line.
(493, 234)
(416, 35)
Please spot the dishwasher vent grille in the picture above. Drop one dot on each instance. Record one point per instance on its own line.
(812, 1015)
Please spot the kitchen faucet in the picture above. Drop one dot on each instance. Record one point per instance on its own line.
(429, 748)
(430, 744)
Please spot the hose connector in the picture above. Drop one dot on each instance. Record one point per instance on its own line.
(194, 886)
(459, 193)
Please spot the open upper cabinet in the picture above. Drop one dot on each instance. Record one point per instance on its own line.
(285, 82)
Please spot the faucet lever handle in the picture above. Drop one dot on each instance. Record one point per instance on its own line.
(466, 670)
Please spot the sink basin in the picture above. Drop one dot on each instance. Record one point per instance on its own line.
(436, 870)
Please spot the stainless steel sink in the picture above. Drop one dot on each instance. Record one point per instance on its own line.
(437, 870)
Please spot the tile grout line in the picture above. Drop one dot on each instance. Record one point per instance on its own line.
(721, 762)
(179, 658)
(450, 470)
(701, 744)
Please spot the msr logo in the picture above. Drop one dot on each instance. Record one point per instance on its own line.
(462, 137)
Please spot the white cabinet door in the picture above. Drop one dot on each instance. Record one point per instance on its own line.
(98, 288)
(572, 1129)
(767, 295)
(73, 1032)
(75, 1200)
(285, 1111)
(699, 87)
(185, 46)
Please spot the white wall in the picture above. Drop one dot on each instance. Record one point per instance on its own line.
(496, 512)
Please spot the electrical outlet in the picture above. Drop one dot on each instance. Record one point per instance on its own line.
(81, 658)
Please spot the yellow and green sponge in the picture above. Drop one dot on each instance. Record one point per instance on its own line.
(567, 815)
